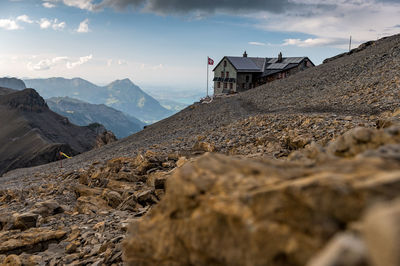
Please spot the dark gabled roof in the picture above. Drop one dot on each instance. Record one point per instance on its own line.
(266, 66)
(247, 64)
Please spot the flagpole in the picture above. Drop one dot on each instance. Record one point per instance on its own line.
(207, 76)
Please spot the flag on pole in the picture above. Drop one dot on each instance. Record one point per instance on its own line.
(210, 61)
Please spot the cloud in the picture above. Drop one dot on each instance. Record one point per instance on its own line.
(182, 6)
(48, 63)
(327, 22)
(54, 24)
(310, 42)
(81, 61)
(48, 5)
(45, 23)
(83, 26)
(362, 19)
(81, 4)
(24, 18)
(257, 43)
(58, 25)
(9, 24)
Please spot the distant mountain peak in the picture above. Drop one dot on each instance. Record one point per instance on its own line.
(25, 100)
(12, 83)
(125, 81)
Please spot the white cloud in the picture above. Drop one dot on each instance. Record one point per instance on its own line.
(45, 23)
(83, 26)
(24, 18)
(58, 25)
(257, 43)
(58, 61)
(82, 4)
(48, 5)
(54, 24)
(9, 24)
(363, 19)
(310, 42)
(81, 61)
(109, 62)
(46, 64)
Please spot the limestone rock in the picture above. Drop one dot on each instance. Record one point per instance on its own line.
(47, 208)
(105, 138)
(361, 139)
(221, 210)
(113, 198)
(204, 146)
(90, 205)
(382, 233)
(25, 221)
(181, 161)
(343, 250)
(33, 239)
(12, 260)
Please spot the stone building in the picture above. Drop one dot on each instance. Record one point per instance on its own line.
(235, 74)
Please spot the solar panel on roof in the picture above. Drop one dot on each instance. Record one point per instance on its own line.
(293, 60)
(244, 63)
(277, 66)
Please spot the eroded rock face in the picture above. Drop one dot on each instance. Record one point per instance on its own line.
(220, 210)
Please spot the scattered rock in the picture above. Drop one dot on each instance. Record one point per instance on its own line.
(25, 221)
(32, 240)
(47, 208)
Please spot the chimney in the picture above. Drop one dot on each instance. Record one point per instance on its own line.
(244, 54)
(280, 57)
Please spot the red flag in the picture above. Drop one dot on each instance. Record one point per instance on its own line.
(210, 61)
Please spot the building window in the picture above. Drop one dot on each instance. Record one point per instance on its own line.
(247, 78)
(222, 74)
(219, 85)
(227, 74)
(230, 86)
(225, 85)
(224, 63)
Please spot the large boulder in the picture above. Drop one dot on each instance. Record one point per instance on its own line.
(219, 210)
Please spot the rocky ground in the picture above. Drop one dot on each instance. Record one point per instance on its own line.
(259, 178)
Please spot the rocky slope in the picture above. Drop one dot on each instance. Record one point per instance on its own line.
(31, 134)
(122, 95)
(302, 171)
(83, 113)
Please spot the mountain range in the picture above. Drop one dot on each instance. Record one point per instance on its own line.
(122, 95)
(82, 113)
(32, 134)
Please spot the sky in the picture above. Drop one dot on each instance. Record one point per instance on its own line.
(165, 43)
